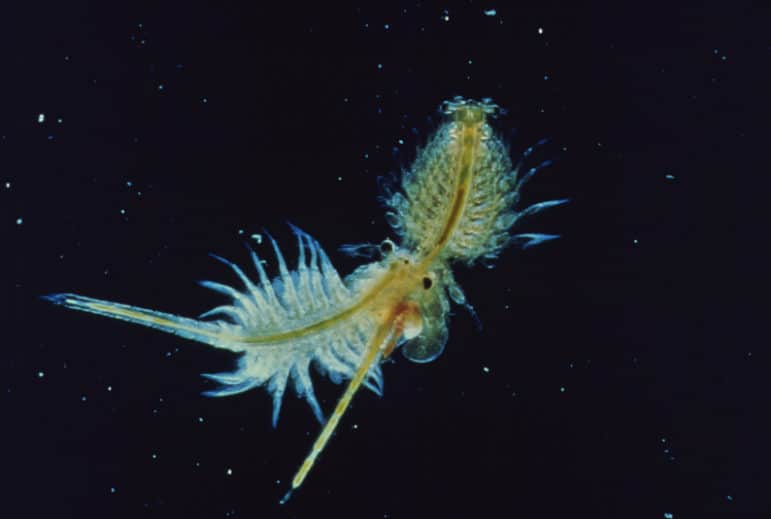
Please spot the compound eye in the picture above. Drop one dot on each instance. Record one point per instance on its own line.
(387, 247)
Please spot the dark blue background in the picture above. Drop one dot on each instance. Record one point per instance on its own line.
(627, 376)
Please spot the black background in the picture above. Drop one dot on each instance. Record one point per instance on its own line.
(620, 371)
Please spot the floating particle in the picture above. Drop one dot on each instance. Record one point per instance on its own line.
(667, 515)
(8, 185)
(19, 221)
(562, 389)
(200, 419)
(490, 12)
(669, 177)
(41, 118)
(41, 374)
(257, 238)
(112, 490)
(540, 30)
(485, 369)
(229, 472)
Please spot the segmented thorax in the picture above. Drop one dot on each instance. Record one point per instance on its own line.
(454, 202)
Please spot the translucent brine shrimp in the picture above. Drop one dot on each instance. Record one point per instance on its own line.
(456, 204)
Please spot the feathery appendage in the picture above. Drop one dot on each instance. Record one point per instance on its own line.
(464, 161)
(264, 323)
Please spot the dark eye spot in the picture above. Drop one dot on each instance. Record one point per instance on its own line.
(427, 282)
(387, 246)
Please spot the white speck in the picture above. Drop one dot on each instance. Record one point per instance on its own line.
(257, 238)
(562, 389)
(122, 211)
(663, 440)
(66, 58)
(339, 179)
(19, 221)
(485, 369)
(380, 66)
(154, 456)
(667, 515)
(387, 26)
(160, 87)
(669, 177)
(41, 118)
(469, 61)
(635, 241)
(109, 388)
(240, 231)
(204, 100)
(229, 472)
(83, 398)
(540, 30)
(200, 419)
(446, 15)
(730, 498)
(490, 12)
(129, 183)
(59, 120)
(112, 490)
(355, 426)
(8, 185)
(546, 77)
(41, 374)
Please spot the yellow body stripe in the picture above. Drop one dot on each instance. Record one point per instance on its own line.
(374, 349)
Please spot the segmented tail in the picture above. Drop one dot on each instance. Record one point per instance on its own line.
(280, 326)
